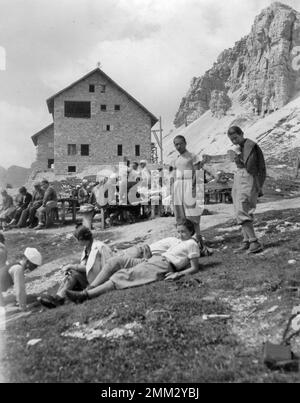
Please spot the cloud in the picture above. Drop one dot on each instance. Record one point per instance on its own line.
(152, 48)
(17, 125)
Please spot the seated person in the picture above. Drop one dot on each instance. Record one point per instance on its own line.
(3, 259)
(49, 203)
(78, 276)
(7, 210)
(23, 202)
(15, 275)
(170, 265)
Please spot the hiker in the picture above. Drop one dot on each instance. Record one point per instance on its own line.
(49, 203)
(28, 216)
(7, 210)
(78, 276)
(3, 259)
(15, 275)
(24, 200)
(248, 183)
(186, 166)
(170, 265)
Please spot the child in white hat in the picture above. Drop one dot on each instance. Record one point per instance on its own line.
(15, 275)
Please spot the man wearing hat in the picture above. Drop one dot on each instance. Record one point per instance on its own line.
(15, 275)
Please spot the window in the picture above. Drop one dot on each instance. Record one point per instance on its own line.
(108, 128)
(120, 150)
(102, 88)
(137, 150)
(117, 107)
(50, 163)
(72, 149)
(71, 168)
(103, 108)
(77, 109)
(85, 149)
(91, 88)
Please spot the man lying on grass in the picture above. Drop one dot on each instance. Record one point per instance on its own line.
(169, 265)
(15, 275)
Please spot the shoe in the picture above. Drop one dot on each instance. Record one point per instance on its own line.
(51, 302)
(40, 226)
(255, 247)
(77, 296)
(245, 246)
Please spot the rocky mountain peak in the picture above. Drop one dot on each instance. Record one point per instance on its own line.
(258, 72)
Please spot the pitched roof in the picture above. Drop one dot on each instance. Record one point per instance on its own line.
(34, 138)
(50, 101)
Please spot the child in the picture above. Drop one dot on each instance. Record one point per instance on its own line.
(15, 275)
(170, 265)
(247, 187)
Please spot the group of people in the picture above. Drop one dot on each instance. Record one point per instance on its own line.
(28, 210)
(100, 271)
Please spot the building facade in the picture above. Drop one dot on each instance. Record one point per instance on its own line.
(95, 122)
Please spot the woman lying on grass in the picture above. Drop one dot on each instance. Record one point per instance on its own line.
(170, 265)
(94, 256)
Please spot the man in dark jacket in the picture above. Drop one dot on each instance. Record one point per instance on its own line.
(248, 183)
(24, 201)
(28, 214)
(49, 203)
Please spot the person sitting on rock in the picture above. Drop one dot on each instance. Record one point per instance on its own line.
(49, 203)
(123, 272)
(15, 275)
(78, 276)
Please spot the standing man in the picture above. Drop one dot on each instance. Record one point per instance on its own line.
(186, 166)
(248, 183)
(49, 203)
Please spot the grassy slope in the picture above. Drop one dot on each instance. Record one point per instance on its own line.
(175, 347)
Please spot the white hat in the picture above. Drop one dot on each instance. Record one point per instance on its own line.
(143, 162)
(33, 255)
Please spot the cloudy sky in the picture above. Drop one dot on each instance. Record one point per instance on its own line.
(152, 48)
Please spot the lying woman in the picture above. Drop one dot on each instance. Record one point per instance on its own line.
(78, 276)
(170, 265)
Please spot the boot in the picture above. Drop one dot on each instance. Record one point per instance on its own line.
(77, 296)
(243, 248)
(255, 247)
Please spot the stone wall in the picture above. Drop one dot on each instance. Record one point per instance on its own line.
(131, 126)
